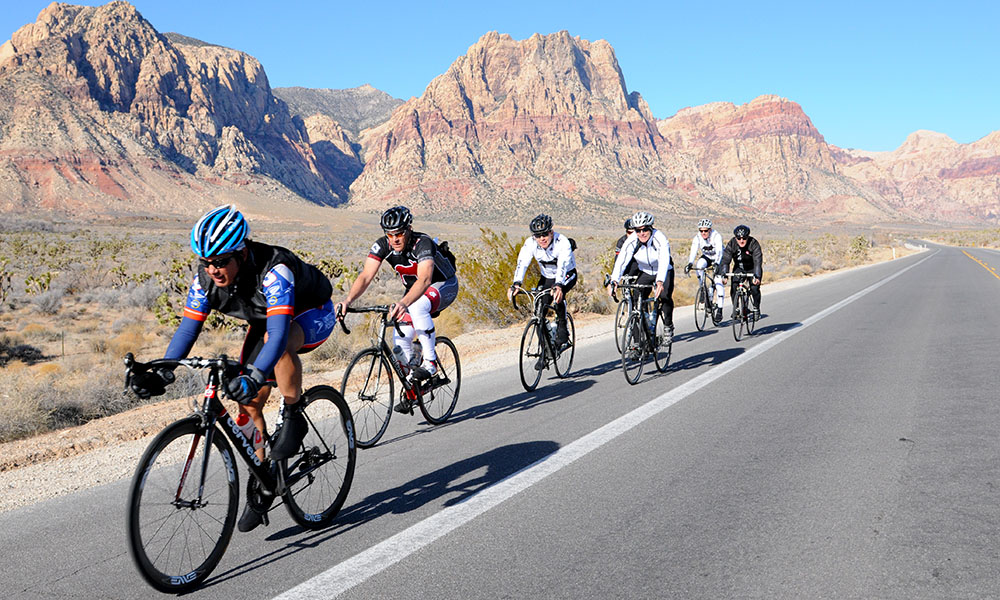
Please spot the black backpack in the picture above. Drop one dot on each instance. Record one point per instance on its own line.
(447, 253)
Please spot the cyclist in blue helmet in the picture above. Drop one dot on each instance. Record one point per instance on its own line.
(287, 305)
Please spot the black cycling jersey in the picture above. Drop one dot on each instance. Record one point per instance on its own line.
(748, 259)
(248, 297)
(420, 248)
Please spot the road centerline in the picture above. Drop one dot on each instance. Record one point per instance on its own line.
(362, 566)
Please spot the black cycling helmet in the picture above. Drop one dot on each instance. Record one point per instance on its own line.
(396, 218)
(741, 232)
(628, 223)
(541, 224)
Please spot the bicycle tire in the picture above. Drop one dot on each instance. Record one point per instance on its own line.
(621, 316)
(751, 319)
(564, 359)
(369, 395)
(663, 347)
(438, 402)
(319, 475)
(531, 353)
(174, 538)
(634, 350)
(701, 309)
(740, 315)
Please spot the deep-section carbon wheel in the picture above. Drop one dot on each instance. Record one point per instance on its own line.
(318, 477)
(367, 388)
(663, 345)
(621, 315)
(182, 506)
(701, 308)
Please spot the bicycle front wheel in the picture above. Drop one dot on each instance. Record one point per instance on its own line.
(367, 388)
(701, 308)
(751, 319)
(621, 315)
(318, 477)
(634, 350)
(663, 344)
(740, 320)
(532, 358)
(564, 359)
(182, 506)
(438, 401)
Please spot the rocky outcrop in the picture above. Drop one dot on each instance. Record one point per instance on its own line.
(354, 109)
(111, 89)
(515, 125)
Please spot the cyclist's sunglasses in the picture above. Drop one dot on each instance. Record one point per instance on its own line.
(643, 229)
(741, 238)
(539, 236)
(218, 263)
(704, 230)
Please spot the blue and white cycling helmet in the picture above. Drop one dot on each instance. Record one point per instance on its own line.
(642, 219)
(221, 231)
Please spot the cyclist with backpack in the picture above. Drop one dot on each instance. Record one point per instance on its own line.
(708, 243)
(429, 281)
(287, 304)
(557, 263)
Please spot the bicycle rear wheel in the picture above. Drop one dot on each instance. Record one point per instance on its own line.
(318, 477)
(701, 308)
(439, 399)
(532, 359)
(178, 530)
(367, 388)
(621, 315)
(663, 345)
(564, 359)
(740, 319)
(634, 350)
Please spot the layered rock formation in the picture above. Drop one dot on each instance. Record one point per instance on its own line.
(354, 109)
(517, 125)
(100, 108)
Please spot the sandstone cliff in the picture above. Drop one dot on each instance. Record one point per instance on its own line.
(355, 109)
(516, 126)
(98, 107)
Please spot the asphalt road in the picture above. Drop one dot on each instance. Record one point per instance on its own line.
(846, 450)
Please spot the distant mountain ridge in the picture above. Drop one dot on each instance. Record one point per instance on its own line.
(100, 113)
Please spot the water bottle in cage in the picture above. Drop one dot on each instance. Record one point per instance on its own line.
(552, 329)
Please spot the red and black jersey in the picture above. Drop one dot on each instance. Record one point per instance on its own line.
(420, 248)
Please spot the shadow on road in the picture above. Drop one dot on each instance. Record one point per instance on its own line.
(776, 328)
(455, 482)
(715, 357)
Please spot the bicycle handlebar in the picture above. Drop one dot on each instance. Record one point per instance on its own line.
(533, 293)
(382, 309)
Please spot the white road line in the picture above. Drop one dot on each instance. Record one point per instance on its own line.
(383, 555)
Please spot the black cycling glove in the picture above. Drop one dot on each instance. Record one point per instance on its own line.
(151, 383)
(244, 388)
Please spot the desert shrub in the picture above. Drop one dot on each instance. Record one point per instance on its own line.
(49, 302)
(812, 261)
(485, 274)
(859, 247)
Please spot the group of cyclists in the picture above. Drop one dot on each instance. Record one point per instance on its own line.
(290, 311)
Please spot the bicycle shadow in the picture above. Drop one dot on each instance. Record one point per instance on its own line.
(457, 481)
(716, 357)
(689, 336)
(776, 328)
(547, 391)
(596, 370)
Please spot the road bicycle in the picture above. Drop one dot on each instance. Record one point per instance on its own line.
(184, 496)
(645, 333)
(538, 342)
(368, 385)
(704, 300)
(624, 308)
(743, 308)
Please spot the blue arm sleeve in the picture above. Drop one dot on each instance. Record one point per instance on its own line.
(183, 339)
(277, 339)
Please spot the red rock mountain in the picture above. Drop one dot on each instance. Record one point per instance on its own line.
(100, 111)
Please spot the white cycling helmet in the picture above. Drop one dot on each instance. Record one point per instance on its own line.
(642, 219)
(705, 224)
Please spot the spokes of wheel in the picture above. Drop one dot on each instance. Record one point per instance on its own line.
(621, 315)
(564, 359)
(663, 345)
(438, 401)
(367, 388)
(319, 476)
(751, 319)
(701, 309)
(182, 507)
(532, 359)
(634, 349)
(740, 308)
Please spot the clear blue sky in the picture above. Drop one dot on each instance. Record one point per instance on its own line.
(867, 73)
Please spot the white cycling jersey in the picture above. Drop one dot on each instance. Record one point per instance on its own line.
(653, 257)
(554, 262)
(710, 248)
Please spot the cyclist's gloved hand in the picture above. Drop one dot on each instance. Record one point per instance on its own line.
(244, 388)
(151, 383)
(687, 268)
